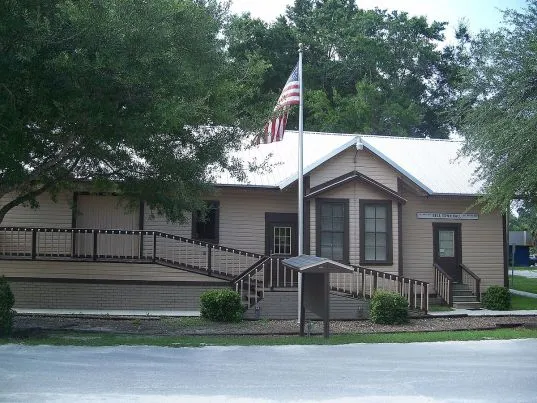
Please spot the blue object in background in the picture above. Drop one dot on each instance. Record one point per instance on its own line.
(522, 255)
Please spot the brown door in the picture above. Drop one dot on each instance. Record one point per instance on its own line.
(447, 248)
(281, 234)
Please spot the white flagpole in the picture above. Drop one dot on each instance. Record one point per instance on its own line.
(300, 179)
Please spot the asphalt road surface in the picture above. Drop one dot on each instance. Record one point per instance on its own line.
(485, 371)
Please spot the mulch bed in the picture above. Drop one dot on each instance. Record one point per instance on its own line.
(25, 325)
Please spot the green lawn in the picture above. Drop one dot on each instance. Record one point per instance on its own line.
(85, 339)
(518, 302)
(523, 283)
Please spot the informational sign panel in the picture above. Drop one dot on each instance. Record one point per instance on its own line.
(448, 216)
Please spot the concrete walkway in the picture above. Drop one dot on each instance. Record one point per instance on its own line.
(523, 293)
(483, 312)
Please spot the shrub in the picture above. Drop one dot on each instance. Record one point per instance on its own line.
(388, 308)
(221, 306)
(7, 300)
(497, 298)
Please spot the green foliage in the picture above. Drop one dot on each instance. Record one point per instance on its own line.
(7, 300)
(119, 94)
(497, 298)
(497, 112)
(367, 71)
(221, 306)
(388, 308)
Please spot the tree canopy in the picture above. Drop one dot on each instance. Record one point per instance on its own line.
(118, 95)
(367, 71)
(497, 110)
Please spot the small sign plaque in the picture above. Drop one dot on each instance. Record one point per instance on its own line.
(448, 216)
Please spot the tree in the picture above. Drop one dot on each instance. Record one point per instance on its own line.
(117, 95)
(368, 71)
(497, 112)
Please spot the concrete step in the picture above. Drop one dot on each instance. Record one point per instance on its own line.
(464, 298)
(467, 305)
(462, 292)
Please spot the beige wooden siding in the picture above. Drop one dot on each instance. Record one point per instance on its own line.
(56, 214)
(482, 240)
(241, 217)
(355, 191)
(96, 271)
(106, 212)
(362, 161)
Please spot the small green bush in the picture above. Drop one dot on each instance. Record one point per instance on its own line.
(221, 306)
(388, 308)
(497, 298)
(7, 300)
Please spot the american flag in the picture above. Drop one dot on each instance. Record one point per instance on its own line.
(290, 95)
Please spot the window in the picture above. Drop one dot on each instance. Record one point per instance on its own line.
(375, 232)
(446, 243)
(333, 229)
(282, 240)
(205, 227)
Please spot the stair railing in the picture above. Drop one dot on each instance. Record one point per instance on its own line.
(363, 282)
(118, 245)
(472, 279)
(443, 284)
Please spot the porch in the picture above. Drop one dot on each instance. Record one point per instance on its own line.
(138, 269)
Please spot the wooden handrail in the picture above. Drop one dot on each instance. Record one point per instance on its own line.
(477, 279)
(437, 267)
(470, 272)
(440, 279)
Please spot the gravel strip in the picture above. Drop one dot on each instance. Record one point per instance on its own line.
(28, 324)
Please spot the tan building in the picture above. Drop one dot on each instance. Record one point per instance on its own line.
(401, 211)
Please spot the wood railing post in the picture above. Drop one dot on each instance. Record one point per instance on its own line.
(209, 260)
(95, 244)
(478, 289)
(34, 244)
(154, 246)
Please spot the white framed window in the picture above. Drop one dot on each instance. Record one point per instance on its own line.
(282, 240)
(446, 243)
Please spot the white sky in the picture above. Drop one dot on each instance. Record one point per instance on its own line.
(480, 14)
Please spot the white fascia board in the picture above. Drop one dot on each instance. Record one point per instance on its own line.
(396, 166)
(290, 179)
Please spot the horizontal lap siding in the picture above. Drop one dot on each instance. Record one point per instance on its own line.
(352, 160)
(96, 271)
(283, 305)
(354, 192)
(49, 214)
(58, 295)
(482, 239)
(242, 215)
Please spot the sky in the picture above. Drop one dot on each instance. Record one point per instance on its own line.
(479, 14)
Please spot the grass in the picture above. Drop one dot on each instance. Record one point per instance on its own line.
(440, 308)
(523, 283)
(521, 303)
(100, 339)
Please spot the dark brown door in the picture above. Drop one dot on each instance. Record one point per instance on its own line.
(447, 248)
(281, 234)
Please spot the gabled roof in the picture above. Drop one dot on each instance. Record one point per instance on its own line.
(433, 165)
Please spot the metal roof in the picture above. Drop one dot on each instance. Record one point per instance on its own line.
(316, 264)
(433, 165)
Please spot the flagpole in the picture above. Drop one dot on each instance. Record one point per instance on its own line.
(300, 180)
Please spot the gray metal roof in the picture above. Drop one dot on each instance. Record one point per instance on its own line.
(315, 264)
(433, 165)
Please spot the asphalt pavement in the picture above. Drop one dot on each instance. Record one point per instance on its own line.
(480, 371)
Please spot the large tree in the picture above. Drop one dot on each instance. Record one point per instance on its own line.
(117, 95)
(498, 108)
(368, 71)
